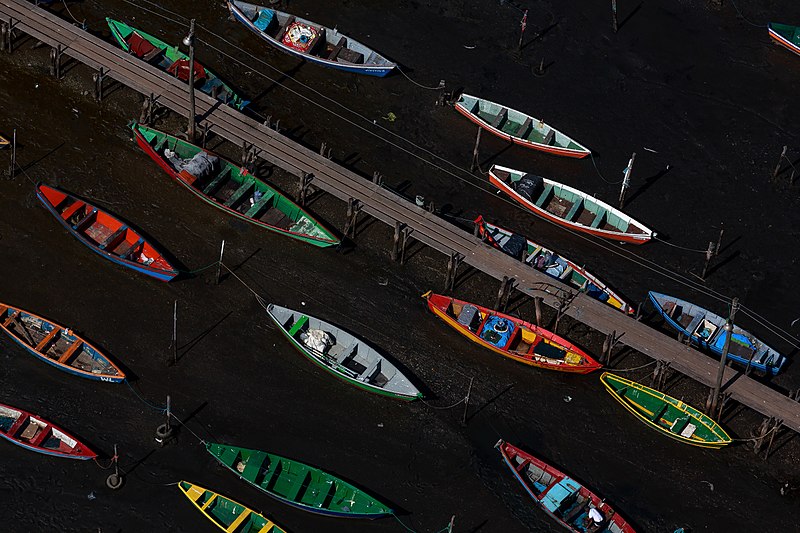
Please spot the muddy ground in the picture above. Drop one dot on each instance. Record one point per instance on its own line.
(701, 91)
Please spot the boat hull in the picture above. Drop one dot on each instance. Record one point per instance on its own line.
(231, 515)
(160, 274)
(783, 41)
(377, 71)
(437, 302)
(614, 384)
(77, 450)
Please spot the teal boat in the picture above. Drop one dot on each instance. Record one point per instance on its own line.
(786, 36)
(298, 484)
(230, 188)
(172, 61)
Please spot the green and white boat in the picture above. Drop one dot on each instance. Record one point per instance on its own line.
(298, 484)
(226, 514)
(172, 61)
(342, 354)
(230, 188)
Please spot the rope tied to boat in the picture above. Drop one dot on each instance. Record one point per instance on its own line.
(654, 361)
(459, 402)
(110, 464)
(197, 271)
(148, 404)
(406, 76)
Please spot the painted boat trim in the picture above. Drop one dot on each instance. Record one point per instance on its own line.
(555, 150)
(310, 239)
(378, 71)
(677, 404)
(159, 274)
(633, 238)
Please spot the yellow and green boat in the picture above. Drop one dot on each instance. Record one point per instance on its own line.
(227, 514)
(298, 484)
(664, 413)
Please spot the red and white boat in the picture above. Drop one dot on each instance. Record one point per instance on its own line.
(38, 435)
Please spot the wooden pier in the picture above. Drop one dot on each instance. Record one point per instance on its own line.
(368, 197)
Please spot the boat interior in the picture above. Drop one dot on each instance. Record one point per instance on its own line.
(104, 231)
(507, 335)
(665, 415)
(34, 432)
(54, 342)
(341, 352)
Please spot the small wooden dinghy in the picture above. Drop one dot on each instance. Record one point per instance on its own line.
(310, 41)
(510, 336)
(786, 36)
(298, 484)
(566, 501)
(568, 207)
(57, 345)
(706, 329)
(551, 263)
(230, 188)
(38, 435)
(671, 417)
(105, 234)
(343, 355)
(518, 127)
(172, 61)
(226, 514)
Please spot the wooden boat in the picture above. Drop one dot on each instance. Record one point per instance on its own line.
(105, 234)
(706, 329)
(230, 188)
(226, 514)
(568, 207)
(566, 501)
(310, 41)
(510, 336)
(298, 484)
(38, 435)
(671, 417)
(57, 345)
(342, 354)
(786, 36)
(551, 263)
(518, 127)
(3, 142)
(172, 61)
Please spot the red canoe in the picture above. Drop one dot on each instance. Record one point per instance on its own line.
(105, 234)
(31, 432)
(568, 502)
(511, 337)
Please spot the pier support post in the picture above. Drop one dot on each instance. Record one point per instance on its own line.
(626, 180)
(476, 230)
(522, 26)
(537, 304)
(353, 208)
(475, 163)
(396, 241)
(728, 327)
(406, 232)
(219, 264)
(12, 167)
(660, 374)
(305, 188)
(377, 178)
(614, 15)
(501, 293)
(709, 256)
(7, 35)
(452, 271)
(55, 62)
(99, 78)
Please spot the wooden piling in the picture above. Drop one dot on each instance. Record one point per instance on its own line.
(12, 168)
(452, 271)
(175, 333)
(626, 180)
(719, 240)
(406, 233)
(98, 78)
(500, 293)
(507, 294)
(466, 401)
(475, 162)
(728, 327)
(353, 208)
(396, 241)
(537, 304)
(55, 62)
(523, 25)
(709, 256)
(780, 160)
(614, 15)
(219, 264)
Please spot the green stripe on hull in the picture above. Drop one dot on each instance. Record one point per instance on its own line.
(297, 483)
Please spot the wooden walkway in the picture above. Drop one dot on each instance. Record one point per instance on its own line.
(388, 207)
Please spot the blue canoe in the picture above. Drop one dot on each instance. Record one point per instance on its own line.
(705, 329)
(310, 41)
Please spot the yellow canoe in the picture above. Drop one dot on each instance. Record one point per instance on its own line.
(227, 514)
(3, 142)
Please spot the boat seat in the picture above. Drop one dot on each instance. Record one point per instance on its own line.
(70, 351)
(298, 325)
(523, 129)
(211, 187)
(498, 120)
(264, 19)
(566, 273)
(239, 519)
(160, 144)
(240, 192)
(30, 431)
(694, 323)
(372, 369)
(550, 137)
(544, 196)
(659, 413)
(85, 221)
(229, 456)
(338, 48)
(11, 319)
(256, 207)
(574, 211)
(132, 250)
(350, 56)
(598, 219)
(253, 466)
(46, 340)
(111, 239)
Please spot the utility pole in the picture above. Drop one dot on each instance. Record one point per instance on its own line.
(728, 327)
(189, 41)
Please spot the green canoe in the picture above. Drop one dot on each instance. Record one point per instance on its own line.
(666, 414)
(297, 484)
(171, 60)
(227, 514)
(230, 188)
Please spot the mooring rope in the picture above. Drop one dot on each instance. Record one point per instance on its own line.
(148, 404)
(654, 361)
(437, 88)
(459, 402)
(745, 18)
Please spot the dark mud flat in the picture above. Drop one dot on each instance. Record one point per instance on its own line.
(704, 89)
